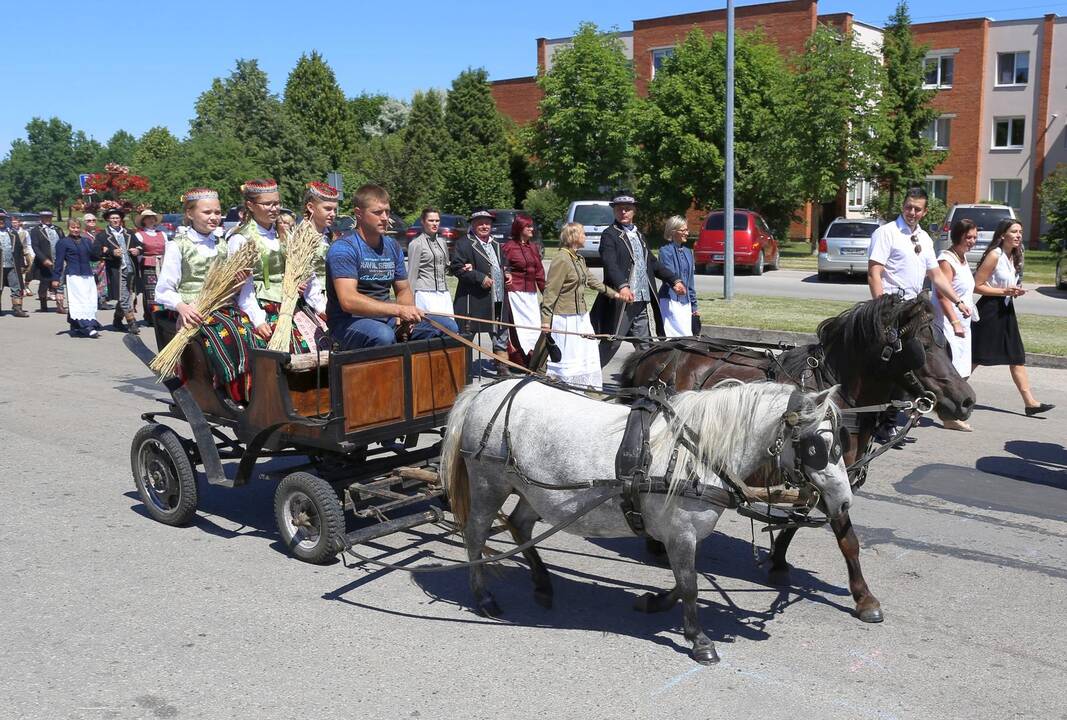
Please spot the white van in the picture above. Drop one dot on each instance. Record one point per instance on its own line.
(594, 216)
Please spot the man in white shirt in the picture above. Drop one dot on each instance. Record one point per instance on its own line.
(901, 256)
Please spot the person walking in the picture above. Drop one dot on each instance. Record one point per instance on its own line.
(564, 314)
(13, 256)
(15, 224)
(89, 230)
(120, 251)
(956, 327)
(680, 312)
(427, 268)
(522, 258)
(153, 244)
(996, 338)
(74, 260)
(44, 239)
(478, 264)
(629, 269)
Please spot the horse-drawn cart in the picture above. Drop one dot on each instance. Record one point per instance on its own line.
(358, 417)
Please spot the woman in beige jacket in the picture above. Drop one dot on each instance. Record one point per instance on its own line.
(564, 310)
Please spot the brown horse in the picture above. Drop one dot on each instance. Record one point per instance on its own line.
(876, 351)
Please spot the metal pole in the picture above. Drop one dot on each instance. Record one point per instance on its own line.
(728, 201)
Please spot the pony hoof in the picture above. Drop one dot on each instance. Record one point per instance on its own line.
(487, 607)
(705, 655)
(543, 598)
(870, 615)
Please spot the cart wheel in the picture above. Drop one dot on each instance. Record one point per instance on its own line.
(309, 517)
(164, 475)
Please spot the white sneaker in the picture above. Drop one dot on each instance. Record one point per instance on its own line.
(94, 333)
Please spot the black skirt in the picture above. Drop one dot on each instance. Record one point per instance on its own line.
(995, 338)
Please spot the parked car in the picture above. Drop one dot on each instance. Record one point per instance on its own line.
(754, 246)
(452, 228)
(986, 217)
(502, 221)
(29, 219)
(170, 222)
(594, 216)
(843, 247)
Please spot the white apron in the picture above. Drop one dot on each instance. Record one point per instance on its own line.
(677, 316)
(580, 361)
(525, 310)
(81, 297)
(434, 301)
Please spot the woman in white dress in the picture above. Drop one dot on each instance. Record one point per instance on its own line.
(563, 309)
(427, 268)
(956, 327)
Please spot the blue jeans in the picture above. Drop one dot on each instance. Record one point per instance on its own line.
(373, 332)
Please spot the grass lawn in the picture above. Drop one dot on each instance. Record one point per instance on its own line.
(1041, 333)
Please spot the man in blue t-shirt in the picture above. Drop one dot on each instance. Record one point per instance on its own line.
(361, 268)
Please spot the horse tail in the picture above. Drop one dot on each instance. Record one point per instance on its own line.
(453, 473)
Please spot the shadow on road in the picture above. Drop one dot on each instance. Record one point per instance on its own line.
(1051, 291)
(837, 279)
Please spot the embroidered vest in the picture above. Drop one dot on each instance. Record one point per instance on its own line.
(270, 273)
(194, 265)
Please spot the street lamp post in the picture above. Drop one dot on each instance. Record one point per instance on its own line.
(728, 201)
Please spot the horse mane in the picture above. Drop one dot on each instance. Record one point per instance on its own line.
(726, 422)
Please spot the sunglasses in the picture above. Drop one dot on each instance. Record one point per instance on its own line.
(915, 244)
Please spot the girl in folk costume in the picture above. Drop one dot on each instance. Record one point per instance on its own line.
(427, 268)
(225, 334)
(522, 257)
(153, 242)
(320, 209)
(679, 312)
(261, 296)
(74, 262)
(563, 308)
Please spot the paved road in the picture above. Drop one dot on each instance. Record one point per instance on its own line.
(108, 614)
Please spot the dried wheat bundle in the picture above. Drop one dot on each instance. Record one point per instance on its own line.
(301, 249)
(224, 278)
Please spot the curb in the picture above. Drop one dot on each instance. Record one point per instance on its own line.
(742, 335)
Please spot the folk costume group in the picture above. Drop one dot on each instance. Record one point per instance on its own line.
(364, 294)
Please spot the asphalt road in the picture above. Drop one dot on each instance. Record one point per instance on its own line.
(108, 614)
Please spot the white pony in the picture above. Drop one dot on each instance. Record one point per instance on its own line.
(559, 438)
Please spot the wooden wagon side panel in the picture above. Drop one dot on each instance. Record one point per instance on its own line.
(436, 379)
(373, 393)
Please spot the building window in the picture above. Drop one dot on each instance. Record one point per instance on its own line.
(1013, 68)
(1009, 133)
(658, 56)
(938, 188)
(1006, 192)
(859, 194)
(937, 71)
(937, 133)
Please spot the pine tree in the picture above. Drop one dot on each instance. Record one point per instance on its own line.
(425, 139)
(907, 157)
(317, 107)
(477, 171)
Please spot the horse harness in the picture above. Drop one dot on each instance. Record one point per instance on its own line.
(633, 460)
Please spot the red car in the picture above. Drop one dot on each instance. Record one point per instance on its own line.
(754, 246)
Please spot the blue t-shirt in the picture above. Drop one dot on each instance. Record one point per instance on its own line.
(375, 270)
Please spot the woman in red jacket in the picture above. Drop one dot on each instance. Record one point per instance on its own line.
(522, 258)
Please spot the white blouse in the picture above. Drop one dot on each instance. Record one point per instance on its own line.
(170, 274)
(1004, 274)
(314, 293)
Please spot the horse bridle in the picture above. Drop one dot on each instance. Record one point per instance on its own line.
(811, 453)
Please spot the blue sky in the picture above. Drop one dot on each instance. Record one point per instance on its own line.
(132, 65)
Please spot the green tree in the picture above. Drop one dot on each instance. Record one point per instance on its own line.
(157, 157)
(425, 138)
(477, 172)
(383, 160)
(681, 129)
(242, 108)
(316, 105)
(1054, 206)
(906, 157)
(838, 122)
(42, 170)
(121, 148)
(392, 117)
(583, 137)
(363, 110)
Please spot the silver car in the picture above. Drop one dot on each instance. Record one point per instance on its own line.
(594, 216)
(843, 247)
(986, 217)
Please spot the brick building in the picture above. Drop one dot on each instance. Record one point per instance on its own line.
(1002, 92)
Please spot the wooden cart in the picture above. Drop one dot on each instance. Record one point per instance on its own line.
(367, 424)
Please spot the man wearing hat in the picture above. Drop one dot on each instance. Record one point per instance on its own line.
(629, 268)
(44, 239)
(479, 266)
(119, 249)
(12, 251)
